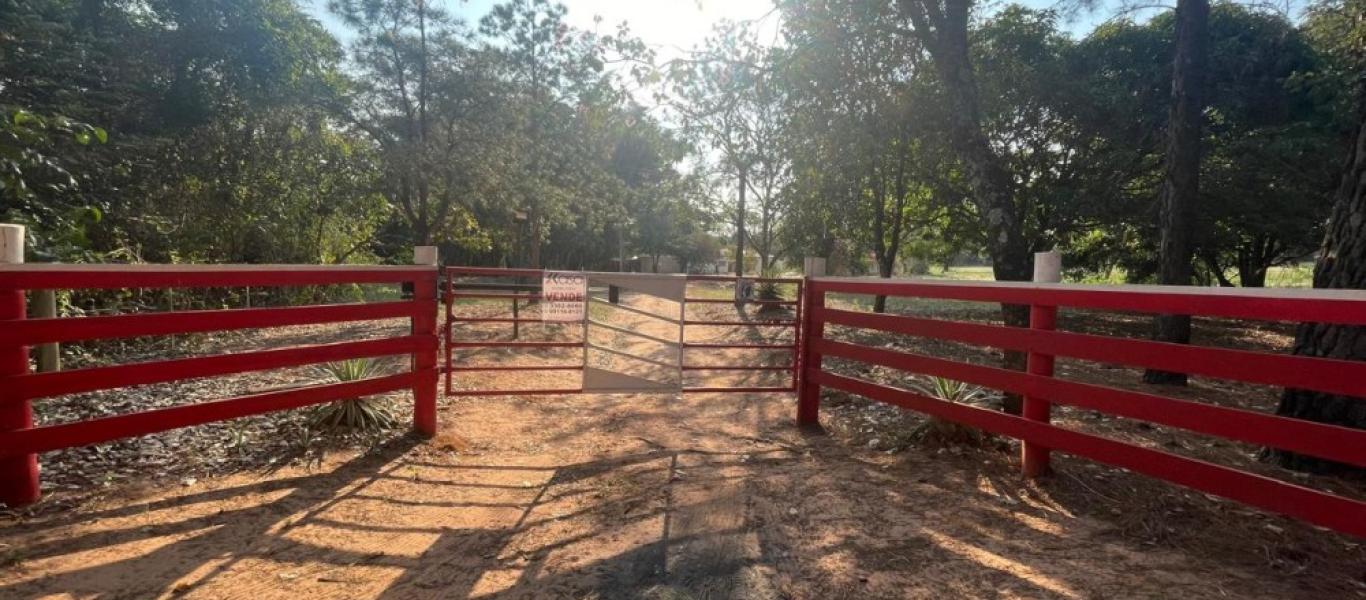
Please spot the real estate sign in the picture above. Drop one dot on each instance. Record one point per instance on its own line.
(563, 295)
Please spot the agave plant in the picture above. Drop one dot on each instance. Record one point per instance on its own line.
(356, 414)
(938, 432)
(769, 292)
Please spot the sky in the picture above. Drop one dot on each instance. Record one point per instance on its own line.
(669, 26)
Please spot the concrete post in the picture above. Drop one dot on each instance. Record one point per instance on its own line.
(813, 266)
(425, 255)
(18, 474)
(1047, 269)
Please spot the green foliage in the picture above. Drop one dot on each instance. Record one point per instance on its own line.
(33, 152)
(730, 101)
(243, 131)
(183, 89)
(1078, 124)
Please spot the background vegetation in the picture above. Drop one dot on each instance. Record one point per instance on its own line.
(1214, 144)
(243, 131)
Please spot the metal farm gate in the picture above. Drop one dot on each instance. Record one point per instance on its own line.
(617, 332)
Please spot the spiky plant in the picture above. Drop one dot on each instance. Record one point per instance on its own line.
(355, 414)
(939, 432)
(769, 292)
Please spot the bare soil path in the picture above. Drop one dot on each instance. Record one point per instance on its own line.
(595, 497)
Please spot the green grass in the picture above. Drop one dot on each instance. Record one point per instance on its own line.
(1298, 275)
(711, 291)
(973, 273)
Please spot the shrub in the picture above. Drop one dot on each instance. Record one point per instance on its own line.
(938, 432)
(355, 414)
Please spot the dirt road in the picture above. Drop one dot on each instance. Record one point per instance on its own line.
(596, 497)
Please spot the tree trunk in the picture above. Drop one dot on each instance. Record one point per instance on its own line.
(740, 229)
(1341, 265)
(1255, 258)
(1181, 186)
(1212, 263)
(880, 240)
(889, 248)
(884, 270)
(534, 240)
(943, 28)
(1252, 276)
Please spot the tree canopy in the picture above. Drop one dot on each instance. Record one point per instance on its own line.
(893, 136)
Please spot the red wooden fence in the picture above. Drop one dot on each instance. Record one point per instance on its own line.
(21, 441)
(1040, 389)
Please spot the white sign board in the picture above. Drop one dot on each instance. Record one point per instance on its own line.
(563, 295)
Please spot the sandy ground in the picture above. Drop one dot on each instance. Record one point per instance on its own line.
(641, 496)
(592, 497)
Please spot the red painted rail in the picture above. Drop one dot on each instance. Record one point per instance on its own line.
(21, 441)
(1041, 389)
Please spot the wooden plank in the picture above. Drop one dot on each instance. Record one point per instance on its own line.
(37, 331)
(1334, 376)
(1267, 304)
(94, 431)
(41, 385)
(64, 276)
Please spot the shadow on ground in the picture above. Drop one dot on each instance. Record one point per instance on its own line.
(699, 496)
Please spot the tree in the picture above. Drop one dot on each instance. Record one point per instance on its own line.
(1338, 25)
(1181, 183)
(558, 85)
(284, 190)
(942, 27)
(158, 75)
(1272, 147)
(33, 175)
(729, 102)
(1269, 147)
(421, 94)
(862, 164)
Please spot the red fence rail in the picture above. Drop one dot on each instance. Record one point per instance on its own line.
(21, 441)
(1040, 389)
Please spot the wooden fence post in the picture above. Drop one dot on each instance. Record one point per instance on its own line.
(49, 356)
(1033, 457)
(808, 391)
(18, 474)
(424, 324)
